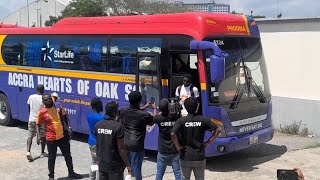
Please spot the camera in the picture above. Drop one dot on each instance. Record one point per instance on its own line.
(286, 174)
(174, 107)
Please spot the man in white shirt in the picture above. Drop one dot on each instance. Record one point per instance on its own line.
(34, 105)
(185, 91)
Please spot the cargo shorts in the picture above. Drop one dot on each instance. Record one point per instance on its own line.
(33, 132)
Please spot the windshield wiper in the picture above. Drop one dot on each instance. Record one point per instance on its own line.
(257, 91)
(237, 97)
(252, 84)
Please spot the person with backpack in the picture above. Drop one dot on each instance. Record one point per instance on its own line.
(167, 153)
(188, 136)
(185, 91)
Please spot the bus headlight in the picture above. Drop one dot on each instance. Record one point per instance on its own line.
(221, 127)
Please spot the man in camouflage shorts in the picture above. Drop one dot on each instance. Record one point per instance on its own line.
(34, 105)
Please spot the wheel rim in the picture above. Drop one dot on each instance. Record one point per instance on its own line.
(3, 110)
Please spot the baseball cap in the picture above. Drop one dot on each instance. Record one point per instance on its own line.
(55, 95)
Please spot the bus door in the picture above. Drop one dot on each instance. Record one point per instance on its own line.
(148, 77)
(183, 63)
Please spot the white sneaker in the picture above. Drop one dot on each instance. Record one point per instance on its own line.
(29, 157)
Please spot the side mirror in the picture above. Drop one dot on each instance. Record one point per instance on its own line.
(217, 69)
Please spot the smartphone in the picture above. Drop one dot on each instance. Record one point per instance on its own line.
(287, 174)
(152, 100)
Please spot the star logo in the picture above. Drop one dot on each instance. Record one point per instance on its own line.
(47, 51)
(149, 128)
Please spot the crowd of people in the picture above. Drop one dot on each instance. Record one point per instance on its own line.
(116, 138)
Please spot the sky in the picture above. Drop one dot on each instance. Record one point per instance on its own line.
(288, 8)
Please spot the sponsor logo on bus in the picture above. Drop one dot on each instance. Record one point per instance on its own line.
(65, 57)
(236, 28)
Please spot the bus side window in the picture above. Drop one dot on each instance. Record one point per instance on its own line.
(12, 50)
(88, 53)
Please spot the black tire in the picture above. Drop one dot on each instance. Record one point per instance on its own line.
(5, 111)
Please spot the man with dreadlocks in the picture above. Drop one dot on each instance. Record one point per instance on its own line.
(191, 130)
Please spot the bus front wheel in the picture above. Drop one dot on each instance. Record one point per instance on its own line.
(5, 111)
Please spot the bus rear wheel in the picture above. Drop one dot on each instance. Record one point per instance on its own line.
(5, 111)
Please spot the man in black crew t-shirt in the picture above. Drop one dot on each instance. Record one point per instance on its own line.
(111, 152)
(135, 121)
(190, 145)
(167, 152)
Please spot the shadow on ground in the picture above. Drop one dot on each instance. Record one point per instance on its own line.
(244, 160)
(85, 176)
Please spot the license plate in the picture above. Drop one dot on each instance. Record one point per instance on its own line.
(253, 140)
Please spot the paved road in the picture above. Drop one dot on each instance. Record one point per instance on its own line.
(14, 165)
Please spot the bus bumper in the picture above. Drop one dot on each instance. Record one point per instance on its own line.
(235, 143)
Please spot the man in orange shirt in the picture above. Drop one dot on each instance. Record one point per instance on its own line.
(54, 136)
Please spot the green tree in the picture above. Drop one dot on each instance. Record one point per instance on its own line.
(52, 20)
(86, 8)
(125, 7)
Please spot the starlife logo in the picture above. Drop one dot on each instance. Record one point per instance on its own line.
(56, 54)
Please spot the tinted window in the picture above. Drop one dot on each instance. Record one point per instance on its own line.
(123, 53)
(88, 54)
(63, 52)
(12, 50)
(180, 43)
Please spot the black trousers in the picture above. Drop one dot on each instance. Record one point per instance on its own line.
(111, 175)
(64, 146)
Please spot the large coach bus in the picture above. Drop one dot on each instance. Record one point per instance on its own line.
(108, 57)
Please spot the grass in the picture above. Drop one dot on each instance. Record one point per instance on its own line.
(312, 146)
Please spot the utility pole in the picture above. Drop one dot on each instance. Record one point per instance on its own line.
(277, 8)
(28, 12)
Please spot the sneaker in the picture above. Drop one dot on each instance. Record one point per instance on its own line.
(44, 155)
(75, 176)
(29, 157)
(51, 178)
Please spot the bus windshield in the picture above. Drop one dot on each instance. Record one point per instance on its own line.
(245, 72)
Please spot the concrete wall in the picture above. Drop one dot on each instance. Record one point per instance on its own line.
(46, 9)
(293, 61)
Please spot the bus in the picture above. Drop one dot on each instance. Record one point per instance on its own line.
(81, 58)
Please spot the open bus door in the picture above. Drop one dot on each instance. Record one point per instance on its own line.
(148, 79)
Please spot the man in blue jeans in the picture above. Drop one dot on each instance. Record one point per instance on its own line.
(93, 118)
(135, 121)
(167, 152)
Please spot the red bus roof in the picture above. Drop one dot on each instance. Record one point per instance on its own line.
(8, 26)
(197, 25)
